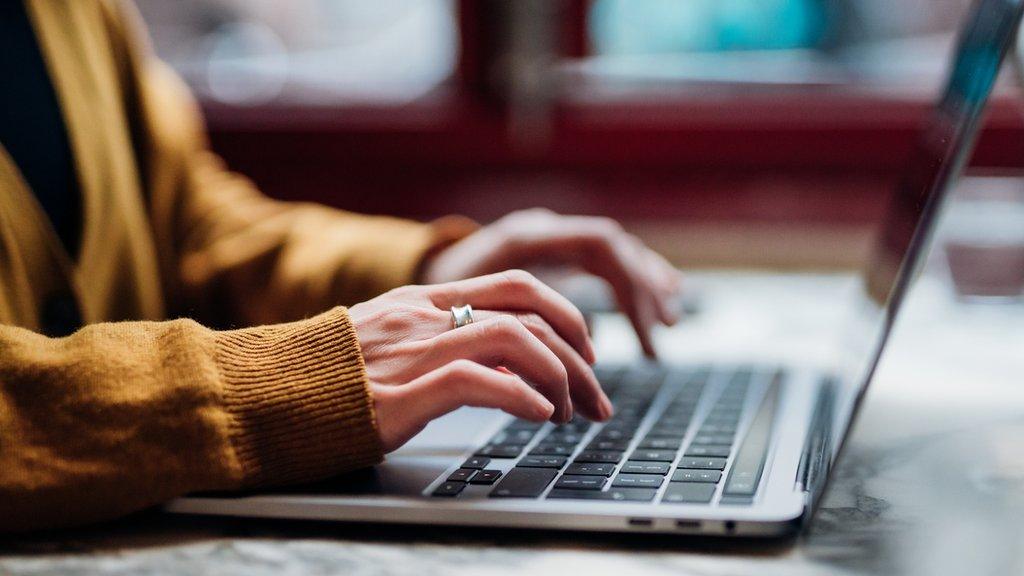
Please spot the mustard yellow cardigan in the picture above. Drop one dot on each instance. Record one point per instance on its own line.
(134, 409)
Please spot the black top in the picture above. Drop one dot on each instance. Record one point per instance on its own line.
(32, 127)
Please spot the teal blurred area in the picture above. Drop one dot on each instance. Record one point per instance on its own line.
(622, 27)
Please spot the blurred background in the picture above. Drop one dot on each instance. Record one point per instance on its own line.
(753, 133)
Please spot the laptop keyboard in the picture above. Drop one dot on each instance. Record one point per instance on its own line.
(673, 439)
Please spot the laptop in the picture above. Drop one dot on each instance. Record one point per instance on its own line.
(710, 450)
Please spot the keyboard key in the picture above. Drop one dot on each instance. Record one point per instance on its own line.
(653, 455)
(613, 435)
(524, 483)
(673, 421)
(719, 451)
(553, 450)
(449, 489)
(476, 462)
(500, 451)
(563, 438)
(599, 457)
(723, 422)
(689, 493)
(712, 476)
(519, 424)
(637, 481)
(713, 439)
(612, 494)
(717, 429)
(587, 469)
(580, 482)
(639, 467)
(667, 431)
(703, 463)
(574, 427)
(661, 443)
(627, 430)
(513, 437)
(614, 445)
(542, 462)
(629, 494)
(725, 414)
(485, 477)
(461, 475)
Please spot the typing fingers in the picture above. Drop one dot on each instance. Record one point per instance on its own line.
(516, 290)
(584, 389)
(501, 341)
(403, 411)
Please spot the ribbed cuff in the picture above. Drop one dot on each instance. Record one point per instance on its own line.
(298, 399)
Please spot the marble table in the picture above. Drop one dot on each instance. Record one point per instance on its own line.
(932, 482)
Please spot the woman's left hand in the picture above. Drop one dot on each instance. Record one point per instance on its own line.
(645, 285)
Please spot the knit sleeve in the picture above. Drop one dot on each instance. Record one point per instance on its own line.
(121, 416)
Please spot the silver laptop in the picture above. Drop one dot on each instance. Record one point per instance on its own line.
(713, 450)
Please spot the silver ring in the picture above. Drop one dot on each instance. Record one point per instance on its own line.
(462, 316)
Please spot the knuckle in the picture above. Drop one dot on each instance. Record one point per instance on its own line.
(461, 369)
(516, 328)
(520, 279)
(505, 327)
(532, 321)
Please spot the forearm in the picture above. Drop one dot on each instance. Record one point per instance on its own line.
(118, 417)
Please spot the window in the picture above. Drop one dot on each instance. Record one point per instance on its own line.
(316, 52)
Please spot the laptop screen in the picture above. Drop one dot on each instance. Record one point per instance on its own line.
(944, 146)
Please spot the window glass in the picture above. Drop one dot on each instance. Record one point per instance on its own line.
(307, 51)
(904, 42)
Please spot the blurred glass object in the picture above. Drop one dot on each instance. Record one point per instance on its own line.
(307, 51)
(659, 26)
(983, 239)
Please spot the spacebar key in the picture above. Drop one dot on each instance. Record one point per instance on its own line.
(524, 483)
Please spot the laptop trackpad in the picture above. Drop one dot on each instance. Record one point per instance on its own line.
(455, 433)
(410, 469)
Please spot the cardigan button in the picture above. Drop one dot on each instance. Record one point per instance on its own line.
(60, 315)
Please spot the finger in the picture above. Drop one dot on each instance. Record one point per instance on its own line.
(643, 319)
(602, 248)
(584, 389)
(402, 411)
(646, 269)
(517, 290)
(610, 259)
(670, 281)
(502, 341)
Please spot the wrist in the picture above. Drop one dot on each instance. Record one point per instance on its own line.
(298, 400)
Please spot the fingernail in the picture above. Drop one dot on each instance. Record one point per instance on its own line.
(545, 409)
(607, 407)
(591, 355)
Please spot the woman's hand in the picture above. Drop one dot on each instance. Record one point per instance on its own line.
(646, 287)
(421, 368)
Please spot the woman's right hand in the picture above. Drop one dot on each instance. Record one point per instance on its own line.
(421, 368)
